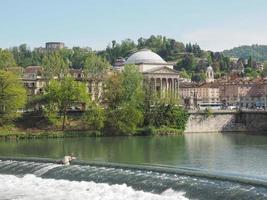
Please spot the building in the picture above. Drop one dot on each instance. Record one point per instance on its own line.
(34, 80)
(147, 60)
(209, 75)
(244, 93)
(195, 94)
(208, 93)
(54, 45)
(119, 63)
(237, 66)
(163, 79)
(77, 74)
(188, 93)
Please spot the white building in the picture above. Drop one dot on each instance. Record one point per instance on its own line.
(209, 75)
(160, 74)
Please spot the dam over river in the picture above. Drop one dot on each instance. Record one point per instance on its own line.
(191, 166)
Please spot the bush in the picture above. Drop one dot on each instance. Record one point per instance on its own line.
(207, 112)
(167, 115)
(94, 117)
(123, 120)
(167, 131)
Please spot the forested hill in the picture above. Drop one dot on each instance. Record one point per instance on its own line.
(189, 59)
(257, 52)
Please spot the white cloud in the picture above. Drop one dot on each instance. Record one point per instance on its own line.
(219, 39)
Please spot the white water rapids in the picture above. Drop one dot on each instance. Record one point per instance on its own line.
(30, 187)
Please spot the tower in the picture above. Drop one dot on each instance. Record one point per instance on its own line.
(209, 75)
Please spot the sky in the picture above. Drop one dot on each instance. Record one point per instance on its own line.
(213, 24)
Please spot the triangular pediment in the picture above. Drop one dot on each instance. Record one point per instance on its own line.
(161, 70)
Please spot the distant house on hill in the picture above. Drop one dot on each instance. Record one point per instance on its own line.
(33, 80)
(237, 66)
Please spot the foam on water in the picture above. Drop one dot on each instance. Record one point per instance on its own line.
(32, 187)
(45, 180)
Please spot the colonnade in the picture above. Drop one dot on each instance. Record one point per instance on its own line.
(165, 87)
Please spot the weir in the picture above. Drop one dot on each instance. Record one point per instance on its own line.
(155, 179)
(50, 163)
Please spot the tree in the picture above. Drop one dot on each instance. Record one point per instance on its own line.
(23, 55)
(124, 96)
(6, 60)
(252, 73)
(12, 96)
(188, 48)
(54, 65)
(265, 69)
(62, 94)
(78, 57)
(184, 74)
(188, 63)
(95, 66)
(94, 117)
(116, 50)
(170, 116)
(94, 69)
(160, 112)
(249, 65)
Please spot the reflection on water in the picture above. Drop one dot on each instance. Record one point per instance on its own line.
(229, 153)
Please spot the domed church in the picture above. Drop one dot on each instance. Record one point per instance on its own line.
(160, 74)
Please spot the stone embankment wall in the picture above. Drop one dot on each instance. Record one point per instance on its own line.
(245, 121)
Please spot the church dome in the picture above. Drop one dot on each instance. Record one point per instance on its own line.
(145, 56)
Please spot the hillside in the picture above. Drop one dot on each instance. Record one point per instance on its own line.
(258, 52)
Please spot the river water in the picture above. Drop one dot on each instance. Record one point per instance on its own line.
(192, 166)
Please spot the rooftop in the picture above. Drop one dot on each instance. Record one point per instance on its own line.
(145, 56)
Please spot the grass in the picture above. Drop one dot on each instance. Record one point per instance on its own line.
(21, 134)
(13, 133)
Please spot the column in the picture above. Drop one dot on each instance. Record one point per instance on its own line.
(161, 88)
(167, 87)
(155, 85)
(173, 88)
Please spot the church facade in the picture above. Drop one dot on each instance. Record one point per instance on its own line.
(161, 76)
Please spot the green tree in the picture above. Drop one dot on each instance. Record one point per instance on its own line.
(252, 73)
(94, 117)
(124, 94)
(95, 67)
(6, 60)
(184, 74)
(265, 69)
(78, 57)
(150, 97)
(62, 94)
(188, 63)
(249, 65)
(54, 65)
(165, 113)
(12, 96)
(23, 55)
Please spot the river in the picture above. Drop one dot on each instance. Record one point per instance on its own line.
(191, 166)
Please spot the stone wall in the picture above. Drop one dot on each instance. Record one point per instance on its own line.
(227, 122)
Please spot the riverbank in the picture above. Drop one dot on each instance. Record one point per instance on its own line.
(14, 133)
(227, 121)
(30, 134)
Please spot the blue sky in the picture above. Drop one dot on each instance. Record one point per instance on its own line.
(213, 24)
